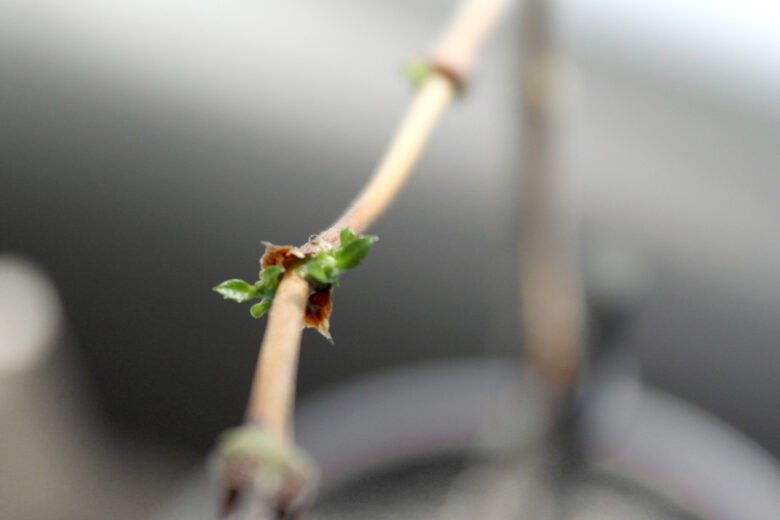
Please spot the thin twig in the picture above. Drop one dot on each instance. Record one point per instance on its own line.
(550, 291)
(273, 388)
(399, 160)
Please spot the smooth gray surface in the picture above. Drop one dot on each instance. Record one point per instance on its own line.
(371, 427)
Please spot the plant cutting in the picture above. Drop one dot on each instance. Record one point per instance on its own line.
(257, 463)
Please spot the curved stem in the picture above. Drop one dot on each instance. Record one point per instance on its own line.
(399, 159)
(273, 388)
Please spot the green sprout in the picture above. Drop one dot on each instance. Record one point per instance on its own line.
(418, 72)
(263, 290)
(325, 267)
(320, 269)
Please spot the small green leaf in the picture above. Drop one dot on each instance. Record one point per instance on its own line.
(259, 310)
(313, 271)
(237, 290)
(320, 268)
(269, 280)
(351, 254)
(418, 72)
(347, 235)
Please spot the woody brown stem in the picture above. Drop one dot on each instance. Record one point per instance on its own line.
(399, 159)
(273, 388)
(551, 297)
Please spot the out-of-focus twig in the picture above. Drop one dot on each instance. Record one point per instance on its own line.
(550, 293)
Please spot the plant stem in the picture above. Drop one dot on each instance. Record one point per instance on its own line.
(456, 51)
(552, 308)
(399, 160)
(273, 389)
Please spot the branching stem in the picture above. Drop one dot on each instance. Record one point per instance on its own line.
(273, 389)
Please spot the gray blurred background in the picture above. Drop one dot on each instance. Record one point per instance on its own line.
(147, 147)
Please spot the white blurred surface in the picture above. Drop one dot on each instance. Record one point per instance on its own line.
(30, 315)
